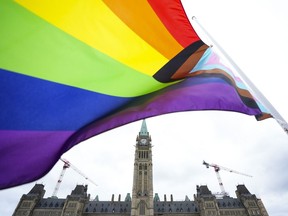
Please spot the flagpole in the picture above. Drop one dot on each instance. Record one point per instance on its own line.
(276, 115)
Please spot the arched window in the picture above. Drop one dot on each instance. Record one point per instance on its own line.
(142, 208)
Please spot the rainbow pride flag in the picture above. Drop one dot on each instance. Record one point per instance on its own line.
(72, 69)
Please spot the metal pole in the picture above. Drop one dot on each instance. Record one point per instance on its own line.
(276, 115)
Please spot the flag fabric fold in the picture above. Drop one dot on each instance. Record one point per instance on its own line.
(71, 69)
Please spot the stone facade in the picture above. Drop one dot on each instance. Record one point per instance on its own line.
(143, 201)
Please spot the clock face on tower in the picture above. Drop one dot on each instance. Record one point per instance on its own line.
(143, 141)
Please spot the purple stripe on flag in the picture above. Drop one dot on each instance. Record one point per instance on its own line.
(206, 96)
(28, 155)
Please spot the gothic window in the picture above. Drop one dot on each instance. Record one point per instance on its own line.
(251, 203)
(26, 204)
(142, 208)
(210, 205)
(68, 213)
(72, 205)
(21, 212)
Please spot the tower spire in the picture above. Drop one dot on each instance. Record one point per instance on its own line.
(144, 131)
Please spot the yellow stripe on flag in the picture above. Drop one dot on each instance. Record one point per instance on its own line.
(95, 24)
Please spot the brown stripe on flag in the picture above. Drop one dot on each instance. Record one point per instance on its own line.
(190, 63)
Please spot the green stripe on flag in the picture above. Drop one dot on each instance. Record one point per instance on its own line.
(31, 46)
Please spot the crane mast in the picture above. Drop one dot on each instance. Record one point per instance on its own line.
(66, 165)
(217, 168)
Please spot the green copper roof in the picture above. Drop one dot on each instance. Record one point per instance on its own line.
(143, 130)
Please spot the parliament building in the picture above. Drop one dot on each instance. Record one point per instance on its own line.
(142, 201)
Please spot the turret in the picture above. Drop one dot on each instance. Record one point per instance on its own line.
(28, 201)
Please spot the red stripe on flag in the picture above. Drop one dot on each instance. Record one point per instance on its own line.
(173, 16)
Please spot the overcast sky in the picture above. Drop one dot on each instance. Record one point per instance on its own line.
(255, 35)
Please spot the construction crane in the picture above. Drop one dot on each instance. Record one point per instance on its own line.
(217, 168)
(66, 165)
